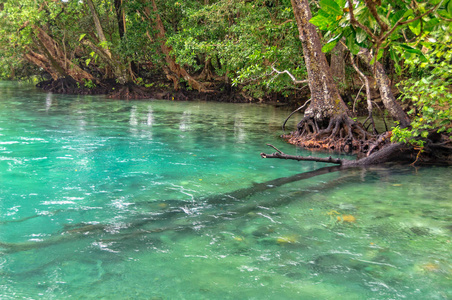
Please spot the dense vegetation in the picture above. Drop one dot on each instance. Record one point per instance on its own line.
(250, 51)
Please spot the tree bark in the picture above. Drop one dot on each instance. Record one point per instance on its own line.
(98, 26)
(42, 62)
(120, 17)
(326, 102)
(384, 85)
(337, 66)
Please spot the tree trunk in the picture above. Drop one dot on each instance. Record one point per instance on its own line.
(326, 102)
(120, 17)
(119, 67)
(337, 66)
(98, 26)
(384, 85)
(326, 123)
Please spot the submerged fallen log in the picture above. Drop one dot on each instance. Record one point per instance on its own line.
(178, 216)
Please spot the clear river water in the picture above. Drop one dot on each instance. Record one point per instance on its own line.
(108, 199)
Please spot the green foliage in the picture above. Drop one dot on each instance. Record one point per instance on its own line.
(242, 40)
(89, 84)
(402, 21)
(429, 90)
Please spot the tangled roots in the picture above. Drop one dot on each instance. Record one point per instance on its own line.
(340, 133)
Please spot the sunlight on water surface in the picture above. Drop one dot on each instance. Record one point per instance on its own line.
(106, 199)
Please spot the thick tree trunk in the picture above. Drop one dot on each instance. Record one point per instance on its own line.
(326, 123)
(384, 85)
(326, 102)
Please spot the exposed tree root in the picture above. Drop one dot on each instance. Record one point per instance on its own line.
(341, 134)
(130, 91)
(67, 85)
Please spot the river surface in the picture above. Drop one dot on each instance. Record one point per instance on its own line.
(107, 199)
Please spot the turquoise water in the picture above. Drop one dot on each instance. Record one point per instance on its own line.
(106, 199)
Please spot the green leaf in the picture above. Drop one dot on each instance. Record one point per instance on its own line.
(81, 36)
(408, 13)
(321, 22)
(430, 25)
(361, 35)
(416, 51)
(449, 8)
(415, 27)
(352, 45)
(329, 46)
(396, 59)
(331, 7)
(380, 54)
(400, 14)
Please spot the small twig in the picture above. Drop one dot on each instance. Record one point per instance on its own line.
(270, 145)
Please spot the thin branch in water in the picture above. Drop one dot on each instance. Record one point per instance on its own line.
(291, 114)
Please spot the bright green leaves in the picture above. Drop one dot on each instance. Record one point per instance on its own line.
(331, 7)
(449, 8)
(322, 20)
(429, 93)
(331, 44)
(328, 16)
(415, 27)
(351, 43)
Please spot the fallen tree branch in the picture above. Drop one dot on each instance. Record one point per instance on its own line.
(282, 155)
(393, 152)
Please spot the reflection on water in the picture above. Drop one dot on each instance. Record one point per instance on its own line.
(163, 200)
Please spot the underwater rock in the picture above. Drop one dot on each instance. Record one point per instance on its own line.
(421, 231)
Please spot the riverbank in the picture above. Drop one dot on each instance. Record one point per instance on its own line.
(161, 89)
